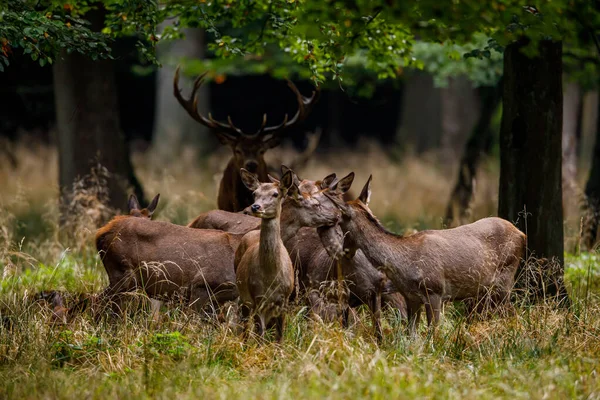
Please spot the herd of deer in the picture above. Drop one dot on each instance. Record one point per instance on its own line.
(302, 235)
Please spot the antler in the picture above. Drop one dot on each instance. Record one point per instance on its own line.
(191, 106)
(305, 105)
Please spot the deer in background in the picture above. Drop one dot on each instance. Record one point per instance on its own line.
(475, 262)
(248, 149)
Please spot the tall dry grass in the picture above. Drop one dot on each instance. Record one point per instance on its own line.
(541, 351)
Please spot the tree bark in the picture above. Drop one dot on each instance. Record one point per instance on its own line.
(571, 125)
(174, 129)
(530, 163)
(479, 143)
(460, 107)
(420, 116)
(88, 129)
(591, 220)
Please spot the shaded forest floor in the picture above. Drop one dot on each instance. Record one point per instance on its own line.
(539, 352)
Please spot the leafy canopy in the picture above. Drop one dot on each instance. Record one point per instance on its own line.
(323, 37)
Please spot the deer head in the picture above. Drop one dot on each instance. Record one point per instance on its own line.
(248, 148)
(267, 196)
(135, 210)
(310, 201)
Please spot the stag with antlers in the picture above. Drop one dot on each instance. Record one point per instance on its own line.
(248, 149)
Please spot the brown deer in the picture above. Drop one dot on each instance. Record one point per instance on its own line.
(248, 149)
(475, 262)
(366, 284)
(165, 260)
(264, 273)
(310, 254)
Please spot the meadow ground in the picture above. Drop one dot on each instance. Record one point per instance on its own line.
(539, 352)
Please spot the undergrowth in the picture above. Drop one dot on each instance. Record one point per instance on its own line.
(541, 351)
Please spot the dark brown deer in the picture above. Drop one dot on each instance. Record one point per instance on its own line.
(248, 149)
(475, 262)
(366, 284)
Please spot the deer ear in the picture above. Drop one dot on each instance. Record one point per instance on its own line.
(133, 203)
(287, 181)
(365, 195)
(152, 207)
(272, 178)
(344, 184)
(249, 179)
(271, 140)
(328, 181)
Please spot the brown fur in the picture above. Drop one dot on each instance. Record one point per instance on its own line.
(264, 274)
(164, 259)
(225, 221)
(475, 262)
(367, 285)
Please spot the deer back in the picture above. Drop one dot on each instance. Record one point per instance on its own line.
(163, 258)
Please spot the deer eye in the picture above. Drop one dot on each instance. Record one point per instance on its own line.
(275, 194)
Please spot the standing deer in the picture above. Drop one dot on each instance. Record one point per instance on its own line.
(475, 262)
(366, 284)
(264, 274)
(164, 259)
(248, 149)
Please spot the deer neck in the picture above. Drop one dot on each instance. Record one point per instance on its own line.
(290, 225)
(381, 248)
(270, 247)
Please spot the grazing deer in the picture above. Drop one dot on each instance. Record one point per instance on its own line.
(475, 262)
(248, 149)
(164, 259)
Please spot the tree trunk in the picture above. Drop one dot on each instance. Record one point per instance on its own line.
(173, 127)
(460, 107)
(420, 116)
(479, 143)
(592, 196)
(530, 163)
(570, 126)
(88, 131)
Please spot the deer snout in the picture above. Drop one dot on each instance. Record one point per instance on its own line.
(255, 207)
(251, 165)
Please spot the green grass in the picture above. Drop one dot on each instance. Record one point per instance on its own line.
(540, 352)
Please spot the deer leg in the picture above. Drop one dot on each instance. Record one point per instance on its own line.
(375, 306)
(414, 317)
(259, 323)
(279, 324)
(346, 317)
(433, 308)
